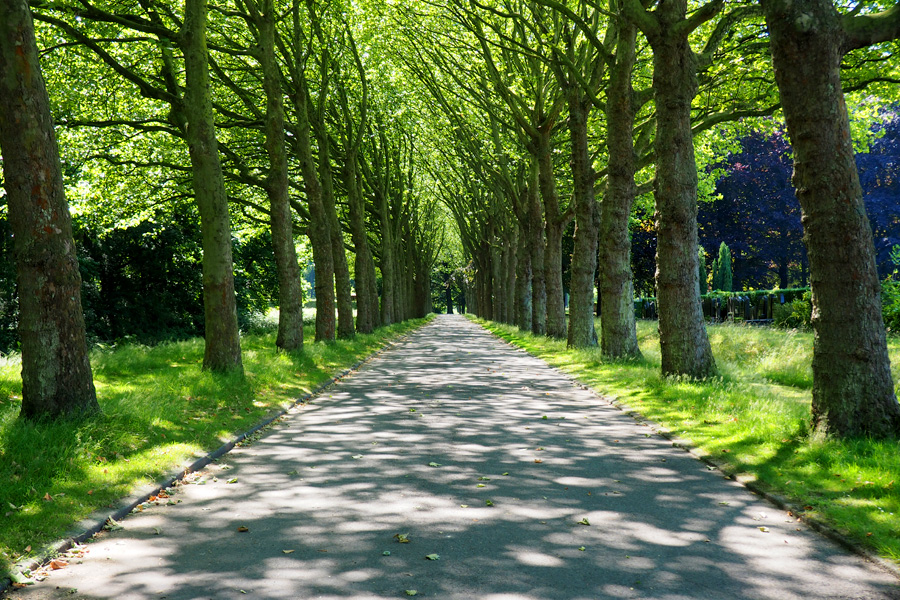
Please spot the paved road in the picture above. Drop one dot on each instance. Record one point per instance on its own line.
(324, 492)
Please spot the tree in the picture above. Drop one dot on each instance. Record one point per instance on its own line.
(683, 341)
(56, 371)
(853, 393)
(223, 341)
(756, 213)
(290, 296)
(721, 271)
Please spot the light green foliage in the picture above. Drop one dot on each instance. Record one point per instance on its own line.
(754, 419)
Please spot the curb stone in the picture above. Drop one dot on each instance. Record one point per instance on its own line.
(744, 479)
(94, 523)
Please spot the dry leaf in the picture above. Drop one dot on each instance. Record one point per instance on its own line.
(538, 460)
(47, 497)
(243, 529)
(58, 564)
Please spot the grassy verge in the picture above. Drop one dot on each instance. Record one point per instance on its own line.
(754, 417)
(159, 411)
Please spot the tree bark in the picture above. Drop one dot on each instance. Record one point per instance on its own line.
(343, 290)
(318, 229)
(555, 225)
(684, 345)
(523, 277)
(223, 343)
(509, 249)
(366, 290)
(388, 268)
(853, 393)
(536, 243)
(618, 333)
(56, 371)
(290, 294)
(587, 216)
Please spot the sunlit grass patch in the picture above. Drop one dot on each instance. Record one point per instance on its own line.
(160, 410)
(755, 417)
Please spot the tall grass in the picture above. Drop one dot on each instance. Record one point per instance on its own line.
(159, 411)
(754, 417)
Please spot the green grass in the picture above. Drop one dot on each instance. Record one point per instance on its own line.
(755, 418)
(159, 412)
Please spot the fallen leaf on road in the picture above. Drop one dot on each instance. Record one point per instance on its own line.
(584, 521)
(764, 529)
(434, 464)
(582, 548)
(480, 485)
(243, 529)
(403, 538)
(488, 502)
(232, 480)
(538, 460)
(411, 592)
(58, 564)
(433, 556)
(357, 456)
(288, 551)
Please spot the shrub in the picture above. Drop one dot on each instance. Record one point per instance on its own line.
(794, 314)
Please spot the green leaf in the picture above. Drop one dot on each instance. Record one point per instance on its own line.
(403, 538)
(484, 479)
(582, 548)
(386, 553)
(584, 521)
(488, 502)
(433, 556)
(232, 480)
(411, 592)
(434, 464)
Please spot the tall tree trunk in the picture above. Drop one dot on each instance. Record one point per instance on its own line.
(587, 217)
(684, 345)
(366, 290)
(509, 249)
(618, 333)
(523, 277)
(536, 242)
(56, 371)
(343, 289)
(223, 342)
(318, 229)
(555, 226)
(388, 268)
(290, 294)
(853, 393)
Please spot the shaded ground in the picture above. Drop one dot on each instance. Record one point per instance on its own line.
(325, 491)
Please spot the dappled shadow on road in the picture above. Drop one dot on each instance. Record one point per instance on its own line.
(586, 503)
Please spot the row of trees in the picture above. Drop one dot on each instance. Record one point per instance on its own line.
(255, 112)
(517, 114)
(519, 86)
